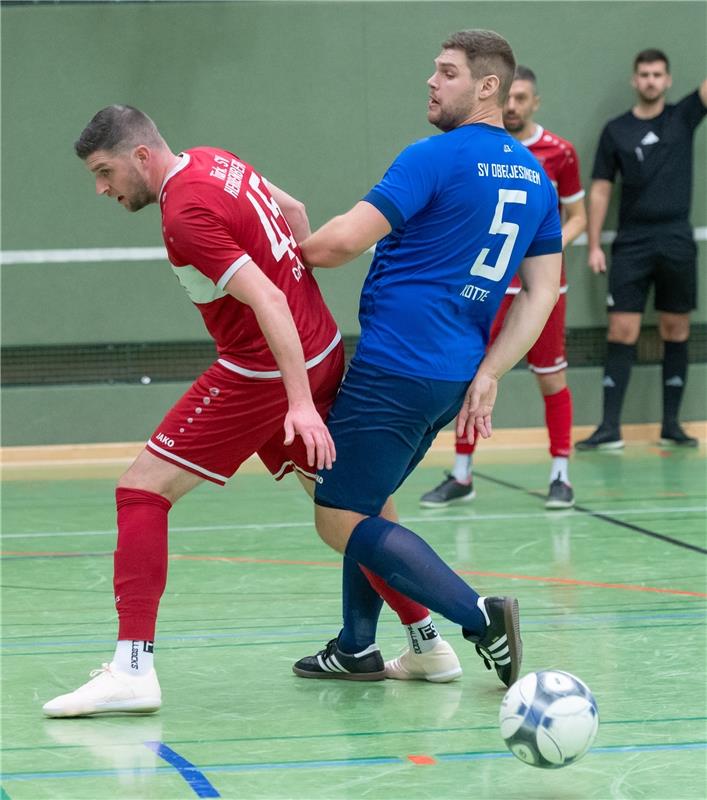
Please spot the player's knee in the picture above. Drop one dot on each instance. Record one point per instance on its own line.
(674, 328)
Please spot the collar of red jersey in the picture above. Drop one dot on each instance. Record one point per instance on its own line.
(185, 159)
(539, 130)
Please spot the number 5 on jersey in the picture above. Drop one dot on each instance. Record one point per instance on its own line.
(494, 272)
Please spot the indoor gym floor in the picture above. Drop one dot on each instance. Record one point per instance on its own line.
(613, 591)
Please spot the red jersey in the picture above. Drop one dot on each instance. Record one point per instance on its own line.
(217, 215)
(559, 159)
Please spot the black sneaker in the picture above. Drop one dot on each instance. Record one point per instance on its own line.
(604, 438)
(448, 492)
(672, 435)
(332, 663)
(560, 495)
(501, 644)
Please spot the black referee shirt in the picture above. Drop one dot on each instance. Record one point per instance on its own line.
(654, 158)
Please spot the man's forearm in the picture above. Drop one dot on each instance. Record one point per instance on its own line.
(524, 322)
(329, 246)
(278, 327)
(599, 197)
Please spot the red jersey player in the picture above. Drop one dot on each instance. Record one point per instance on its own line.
(280, 363)
(547, 356)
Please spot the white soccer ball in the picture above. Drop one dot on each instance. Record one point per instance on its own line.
(549, 719)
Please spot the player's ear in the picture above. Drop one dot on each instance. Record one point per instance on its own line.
(489, 86)
(142, 153)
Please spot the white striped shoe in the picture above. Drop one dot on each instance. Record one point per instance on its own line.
(333, 663)
(500, 644)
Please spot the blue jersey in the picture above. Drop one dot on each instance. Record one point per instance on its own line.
(465, 208)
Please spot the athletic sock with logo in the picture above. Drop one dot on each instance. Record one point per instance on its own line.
(134, 656)
(619, 361)
(139, 562)
(674, 379)
(422, 635)
(407, 563)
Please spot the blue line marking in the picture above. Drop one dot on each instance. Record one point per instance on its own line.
(3, 794)
(191, 774)
(199, 783)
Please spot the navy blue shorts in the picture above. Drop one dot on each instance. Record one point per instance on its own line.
(382, 425)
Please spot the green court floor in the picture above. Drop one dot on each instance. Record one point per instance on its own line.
(613, 591)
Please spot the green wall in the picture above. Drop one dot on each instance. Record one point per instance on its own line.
(320, 96)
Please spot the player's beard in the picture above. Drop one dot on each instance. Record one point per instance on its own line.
(655, 96)
(139, 195)
(449, 118)
(514, 125)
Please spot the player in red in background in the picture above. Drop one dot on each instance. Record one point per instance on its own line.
(280, 363)
(547, 357)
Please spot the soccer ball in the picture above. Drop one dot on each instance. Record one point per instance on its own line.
(549, 719)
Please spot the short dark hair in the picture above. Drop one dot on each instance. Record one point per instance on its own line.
(116, 128)
(526, 74)
(486, 52)
(649, 56)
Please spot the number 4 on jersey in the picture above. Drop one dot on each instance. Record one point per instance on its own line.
(494, 272)
(281, 241)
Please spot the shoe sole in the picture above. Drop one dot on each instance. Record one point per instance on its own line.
(618, 445)
(341, 676)
(673, 443)
(511, 618)
(559, 504)
(433, 504)
(437, 677)
(147, 706)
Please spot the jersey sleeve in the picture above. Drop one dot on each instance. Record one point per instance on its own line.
(197, 236)
(691, 109)
(605, 161)
(548, 238)
(569, 182)
(408, 185)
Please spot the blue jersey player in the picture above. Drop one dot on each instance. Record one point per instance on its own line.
(455, 216)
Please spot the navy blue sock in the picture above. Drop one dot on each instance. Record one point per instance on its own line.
(362, 607)
(407, 563)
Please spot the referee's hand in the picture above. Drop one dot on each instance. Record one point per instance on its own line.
(597, 260)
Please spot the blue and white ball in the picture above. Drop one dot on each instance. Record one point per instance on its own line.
(549, 719)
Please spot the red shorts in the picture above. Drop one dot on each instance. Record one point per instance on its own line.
(548, 353)
(224, 418)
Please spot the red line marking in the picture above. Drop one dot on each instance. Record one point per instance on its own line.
(422, 760)
(626, 587)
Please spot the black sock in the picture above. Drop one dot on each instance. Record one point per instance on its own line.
(617, 371)
(674, 379)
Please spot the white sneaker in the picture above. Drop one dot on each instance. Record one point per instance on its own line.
(439, 665)
(109, 690)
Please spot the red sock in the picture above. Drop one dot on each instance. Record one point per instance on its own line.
(408, 610)
(462, 446)
(140, 561)
(558, 418)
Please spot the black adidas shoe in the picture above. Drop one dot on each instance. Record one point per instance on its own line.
(672, 435)
(501, 644)
(368, 665)
(560, 495)
(605, 437)
(448, 492)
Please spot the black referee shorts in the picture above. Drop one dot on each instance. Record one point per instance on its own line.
(665, 256)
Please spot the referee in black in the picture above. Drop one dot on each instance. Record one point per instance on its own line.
(651, 147)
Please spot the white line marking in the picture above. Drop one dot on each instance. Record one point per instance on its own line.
(95, 255)
(432, 519)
